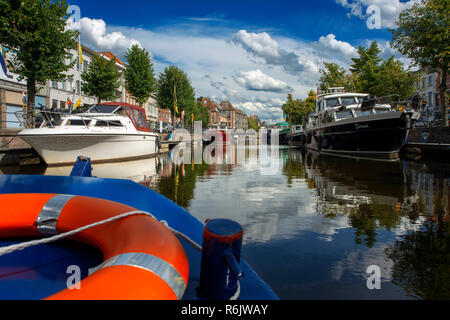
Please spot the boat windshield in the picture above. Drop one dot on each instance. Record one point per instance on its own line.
(103, 109)
(332, 102)
(347, 101)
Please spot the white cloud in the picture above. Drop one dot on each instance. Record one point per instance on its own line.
(93, 34)
(256, 80)
(263, 46)
(389, 9)
(330, 46)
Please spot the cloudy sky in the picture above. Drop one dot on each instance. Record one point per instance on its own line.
(252, 53)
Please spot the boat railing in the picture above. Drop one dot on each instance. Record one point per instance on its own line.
(54, 118)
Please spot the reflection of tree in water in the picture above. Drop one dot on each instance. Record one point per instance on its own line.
(179, 184)
(422, 261)
(293, 166)
(367, 218)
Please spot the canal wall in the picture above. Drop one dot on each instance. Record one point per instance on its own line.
(429, 140)
(14, 150)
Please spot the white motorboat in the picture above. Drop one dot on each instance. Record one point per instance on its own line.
(107, 132)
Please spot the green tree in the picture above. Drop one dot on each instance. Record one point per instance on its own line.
(175, 86)
(35, 30)
(333, 76)
(200, 112)
(101, 80)
(252, 124)
(297, 110)
(423, 35)
(366, 67)
(310, 101)
(139, 75)
(393, 79)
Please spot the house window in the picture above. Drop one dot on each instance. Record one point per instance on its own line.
(54, 104)
(54, 84)
(63, 85)
(70, 85)
(78, 86)
(430, 81)
(85, 66)
(62, 104)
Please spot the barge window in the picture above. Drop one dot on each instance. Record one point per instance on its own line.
(344, 114)
(360, 113)
(347, 101)
(332, 102)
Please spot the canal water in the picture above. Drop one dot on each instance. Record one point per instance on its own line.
(315, 225)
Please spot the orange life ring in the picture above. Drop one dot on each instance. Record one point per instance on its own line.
(143, 259)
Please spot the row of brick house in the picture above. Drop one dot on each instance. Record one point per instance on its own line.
(224, 114)
(55, 94)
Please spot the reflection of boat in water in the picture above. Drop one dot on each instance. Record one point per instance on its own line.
(137, 170)
(355, 176)
(356, 124)
(106, 132)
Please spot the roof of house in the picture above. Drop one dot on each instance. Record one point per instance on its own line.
(111, 56)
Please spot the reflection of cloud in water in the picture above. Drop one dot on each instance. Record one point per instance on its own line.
(356, 262)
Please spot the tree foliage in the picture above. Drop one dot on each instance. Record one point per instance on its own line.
(35, 31)
(297, 111)
(173, 77)
(101, 80)
(252, 124)
(366, 67)
(200, 114)
(139, 75)
(423, 35)
(392, 79)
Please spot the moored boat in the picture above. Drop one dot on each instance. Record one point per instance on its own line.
(106, 132)
(357, 124)
(296, 136)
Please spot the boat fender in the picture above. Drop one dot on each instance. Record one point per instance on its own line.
(143, 259)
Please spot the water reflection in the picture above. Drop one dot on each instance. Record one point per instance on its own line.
(315, 224)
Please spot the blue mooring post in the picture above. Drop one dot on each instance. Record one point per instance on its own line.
(82, 168)
(221, 254)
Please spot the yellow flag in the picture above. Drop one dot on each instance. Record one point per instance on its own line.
(77, 104)
(80, 52)
(175, 107)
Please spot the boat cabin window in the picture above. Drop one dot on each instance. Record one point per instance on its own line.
(114, 123)
(332, 102)
(362, 113)
(77, 122)
(347, 101)
(344, 114)
(137, 118)
(103, 109)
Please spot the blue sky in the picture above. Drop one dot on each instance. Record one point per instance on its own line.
(249, 52)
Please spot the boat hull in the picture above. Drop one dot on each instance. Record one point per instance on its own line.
(64, 149)
(380, 136)
(297, 139)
